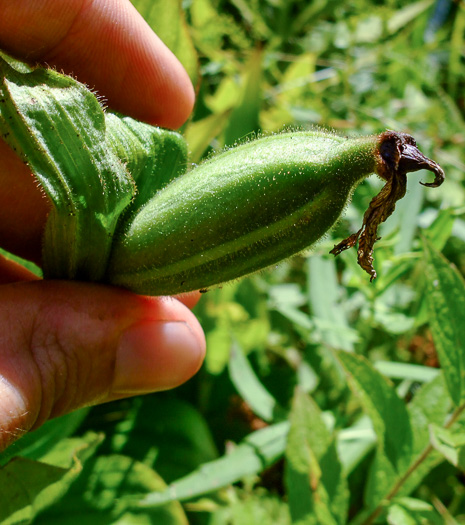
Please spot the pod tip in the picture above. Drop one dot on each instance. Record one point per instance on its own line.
(397, 155)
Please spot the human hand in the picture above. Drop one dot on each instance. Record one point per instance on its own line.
(64, 345)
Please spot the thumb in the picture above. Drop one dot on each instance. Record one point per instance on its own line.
(65, 345)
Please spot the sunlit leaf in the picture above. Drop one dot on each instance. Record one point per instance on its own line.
(244, 118)
(406, 14)
(406, 511)
(409, 371)
(324, 297)
(354, 443)
(29, 487)
(250, 388)
(450, 444)
(200, 134)
(255, 453)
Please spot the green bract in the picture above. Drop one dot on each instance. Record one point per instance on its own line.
(125, 212)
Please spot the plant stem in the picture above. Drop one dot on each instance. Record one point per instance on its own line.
(398, 485)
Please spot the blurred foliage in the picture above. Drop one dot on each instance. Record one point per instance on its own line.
(321, 398)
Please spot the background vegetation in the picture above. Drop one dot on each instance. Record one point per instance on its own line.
(321, 400)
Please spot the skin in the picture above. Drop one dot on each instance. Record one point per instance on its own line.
(65, 345)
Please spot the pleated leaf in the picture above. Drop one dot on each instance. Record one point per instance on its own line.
(58, 127)
(445, 297)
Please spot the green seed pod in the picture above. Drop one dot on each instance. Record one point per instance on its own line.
(124, 212)
(257, 204)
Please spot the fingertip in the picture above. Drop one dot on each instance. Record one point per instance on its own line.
(156, 89)
(154, 356)
(170, 97)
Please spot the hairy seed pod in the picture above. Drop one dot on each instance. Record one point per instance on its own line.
(257, 204)
(124, 212)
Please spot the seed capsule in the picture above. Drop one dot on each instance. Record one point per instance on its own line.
(257, 204)
(124, 213)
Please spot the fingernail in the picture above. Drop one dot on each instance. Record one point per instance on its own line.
(14, 414)
(155, 356)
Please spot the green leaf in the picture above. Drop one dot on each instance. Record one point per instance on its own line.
(316, 486)
(406, 14)
(168, 434)
(210, 26)
(219, 340)
(406, 511)
(450, 444)
(324, 297)
(103, 493)
(262, 508)
(58, 127)
(153, 156)
(420, 373)
(287, 299)
(387, 411)
(393, 273)
(445, 297)
(244, 118)
(430, 405)
(34, 445)
(256, 452)
(248, 385)
(354, 443)
(167, 20)
(441, 228)
(29, 487)
(20, 497)
(200, 134)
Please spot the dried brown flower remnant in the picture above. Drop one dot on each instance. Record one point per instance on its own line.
(398, 155)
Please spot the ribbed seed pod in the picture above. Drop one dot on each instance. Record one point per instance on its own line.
(125, 213)
(257, 204)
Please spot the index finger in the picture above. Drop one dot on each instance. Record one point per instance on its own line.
(106, 44)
